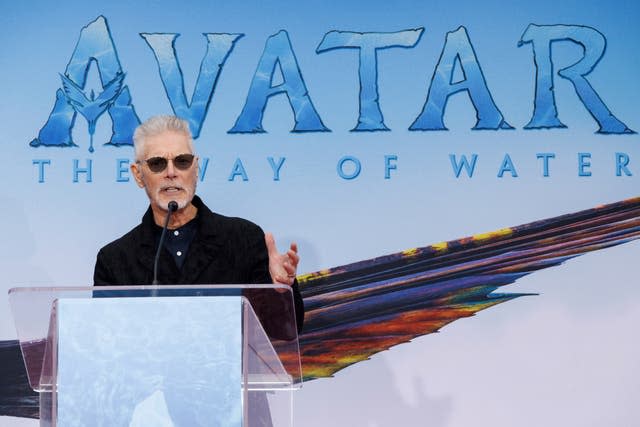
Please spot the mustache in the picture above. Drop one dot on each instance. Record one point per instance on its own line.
(165, 187)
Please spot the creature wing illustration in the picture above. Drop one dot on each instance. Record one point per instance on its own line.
(91, 107)
(356, 310)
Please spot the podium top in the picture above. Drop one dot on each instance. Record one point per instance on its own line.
(273, 305)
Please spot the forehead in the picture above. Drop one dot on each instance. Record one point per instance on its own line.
(166, 144)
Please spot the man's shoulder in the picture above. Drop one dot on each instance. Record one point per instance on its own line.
(216, 223)
(125, 243)
(222, 223)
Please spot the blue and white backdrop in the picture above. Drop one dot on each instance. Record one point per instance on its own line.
(312, 120)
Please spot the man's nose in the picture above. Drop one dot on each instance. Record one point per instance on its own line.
(171, 169)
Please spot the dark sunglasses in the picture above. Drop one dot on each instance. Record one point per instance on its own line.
(181, 162)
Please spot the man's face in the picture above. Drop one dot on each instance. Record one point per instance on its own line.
(171, 183)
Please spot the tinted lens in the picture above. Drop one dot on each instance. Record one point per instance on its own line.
(157, 164)
(183, 161)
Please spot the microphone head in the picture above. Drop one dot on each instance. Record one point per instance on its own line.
(173, 206)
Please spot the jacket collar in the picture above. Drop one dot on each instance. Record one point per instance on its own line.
(207, 227)
(203, 250)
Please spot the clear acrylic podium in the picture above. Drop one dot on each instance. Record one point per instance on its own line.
(133, 356)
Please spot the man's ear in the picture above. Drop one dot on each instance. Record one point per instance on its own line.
(136, 170)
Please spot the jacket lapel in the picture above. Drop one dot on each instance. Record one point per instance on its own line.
(205, 250)
(147, 247)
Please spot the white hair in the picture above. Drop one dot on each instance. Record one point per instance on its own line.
(157, 125)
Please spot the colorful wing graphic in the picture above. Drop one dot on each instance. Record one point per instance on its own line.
(17, 399)
(356, 310)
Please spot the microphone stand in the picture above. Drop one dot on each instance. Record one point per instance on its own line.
(171, 208)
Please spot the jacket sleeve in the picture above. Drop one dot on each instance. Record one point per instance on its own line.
(278, 305)
(299, 304)
(102, 275)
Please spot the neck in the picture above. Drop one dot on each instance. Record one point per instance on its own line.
(178, 218)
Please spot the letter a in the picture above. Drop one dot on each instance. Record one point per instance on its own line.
(94, 44)
(278, 52)
(458, 49)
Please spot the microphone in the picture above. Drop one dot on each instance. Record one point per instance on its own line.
(171, 208)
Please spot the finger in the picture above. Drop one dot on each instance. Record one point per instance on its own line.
(284, 280)
(271, 244)
(290, 269)
(294, 258)
(294, 247)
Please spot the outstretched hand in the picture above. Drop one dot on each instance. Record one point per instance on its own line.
(282, 267)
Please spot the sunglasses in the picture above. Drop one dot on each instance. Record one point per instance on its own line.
(158, 164)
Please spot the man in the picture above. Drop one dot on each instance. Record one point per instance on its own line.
(201, 247)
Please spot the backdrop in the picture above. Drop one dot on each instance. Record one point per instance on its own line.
(356, 129)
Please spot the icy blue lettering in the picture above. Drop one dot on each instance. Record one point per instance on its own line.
(94, 44)
(276, 167)
(41, 163)
(368, 44)
(507, 166)
(278, 53)
(459, 51)
(593, 43)
(583, 164)
(464, 163)
(77, 170)
(545, 161)
(357, 167)
(122, 170)
(622, 161)
(202, 168)
(238, 170)
(219, 46)
(388, 166)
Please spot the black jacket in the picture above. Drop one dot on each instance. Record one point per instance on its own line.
(224, 251)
